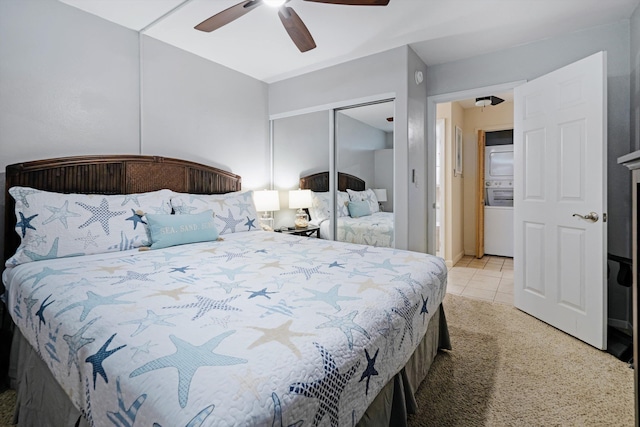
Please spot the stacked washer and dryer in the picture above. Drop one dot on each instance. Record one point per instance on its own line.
(498, 209)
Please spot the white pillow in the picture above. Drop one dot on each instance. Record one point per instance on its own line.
(320, 206)
(368, 195)
(56, 225)
(343, 202)
(232, 212)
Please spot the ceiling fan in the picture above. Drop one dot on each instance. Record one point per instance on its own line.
(485, 101)
(290, 19)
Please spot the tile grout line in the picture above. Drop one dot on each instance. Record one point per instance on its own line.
(484, 284)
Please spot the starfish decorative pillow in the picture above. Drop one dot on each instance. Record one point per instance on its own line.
(232, 212)
(56, 225)
(368, 196)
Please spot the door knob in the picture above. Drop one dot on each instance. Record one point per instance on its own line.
(591, 216)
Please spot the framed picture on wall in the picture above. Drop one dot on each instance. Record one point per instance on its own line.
(457, 166)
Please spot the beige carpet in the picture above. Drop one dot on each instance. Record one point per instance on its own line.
(509, 369)
(7, 403)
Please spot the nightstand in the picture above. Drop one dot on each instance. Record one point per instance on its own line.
(306, 232)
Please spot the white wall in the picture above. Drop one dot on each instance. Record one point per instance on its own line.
(379, 74)
(198, 110)
(415, 157)
(533, 60)
(356, 144)
(69, 85)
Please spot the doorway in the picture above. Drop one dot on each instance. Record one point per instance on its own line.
(489, 277)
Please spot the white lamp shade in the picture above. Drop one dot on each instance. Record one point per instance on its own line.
(300, 199)
(266, 200)
(381, 194)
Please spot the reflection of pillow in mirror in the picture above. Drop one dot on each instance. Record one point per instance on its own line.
(343, 200)
(368, 195)
(358, 209)
(321, 206)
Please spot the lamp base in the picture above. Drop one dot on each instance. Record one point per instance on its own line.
(266, 224)
(302, 219)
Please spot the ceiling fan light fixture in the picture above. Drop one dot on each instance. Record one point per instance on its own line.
(274, 3)
(485, 101)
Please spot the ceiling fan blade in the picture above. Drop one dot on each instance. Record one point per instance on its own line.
(355, 2)
(296, 29)
(228, 15)
(495, 100)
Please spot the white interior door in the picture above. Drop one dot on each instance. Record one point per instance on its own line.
(560, 155)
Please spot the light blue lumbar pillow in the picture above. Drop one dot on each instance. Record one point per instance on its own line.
(172, 230)
(358, 209)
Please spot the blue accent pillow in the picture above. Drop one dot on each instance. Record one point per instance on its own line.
(358, 209)
(172, 230)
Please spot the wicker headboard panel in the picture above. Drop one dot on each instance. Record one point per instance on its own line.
(111, 174)
(320, 182)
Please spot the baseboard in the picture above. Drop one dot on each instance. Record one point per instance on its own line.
(458, 257)
(450, 263)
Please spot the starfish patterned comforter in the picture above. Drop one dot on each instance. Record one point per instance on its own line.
(375, 229)
(257, 329)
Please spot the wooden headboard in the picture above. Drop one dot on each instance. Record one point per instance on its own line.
(111, 174)
(320, 182)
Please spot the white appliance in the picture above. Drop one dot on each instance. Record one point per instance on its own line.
(498, 210)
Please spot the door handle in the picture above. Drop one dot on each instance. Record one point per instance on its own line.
(591, 216)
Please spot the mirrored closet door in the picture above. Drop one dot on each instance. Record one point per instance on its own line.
(364, 164)
(356, 188)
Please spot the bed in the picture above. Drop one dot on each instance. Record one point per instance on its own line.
(249, 328)
(374, 228)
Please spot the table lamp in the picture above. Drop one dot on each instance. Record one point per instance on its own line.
(300, 199)
(381, 195)
(266, 201)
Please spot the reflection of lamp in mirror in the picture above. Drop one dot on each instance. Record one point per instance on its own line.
(266, 201)
(381, 195)
(300, 199)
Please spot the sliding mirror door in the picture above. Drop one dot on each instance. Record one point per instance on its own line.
(300, 147)
(364, 164)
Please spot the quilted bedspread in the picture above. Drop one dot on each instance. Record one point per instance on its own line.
(375, 230)
(258, 329)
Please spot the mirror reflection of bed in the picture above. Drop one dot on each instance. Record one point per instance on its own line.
(363, 144)
(360, 219)
(364, 150)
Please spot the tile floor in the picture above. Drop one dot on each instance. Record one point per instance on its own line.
(489, 278)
